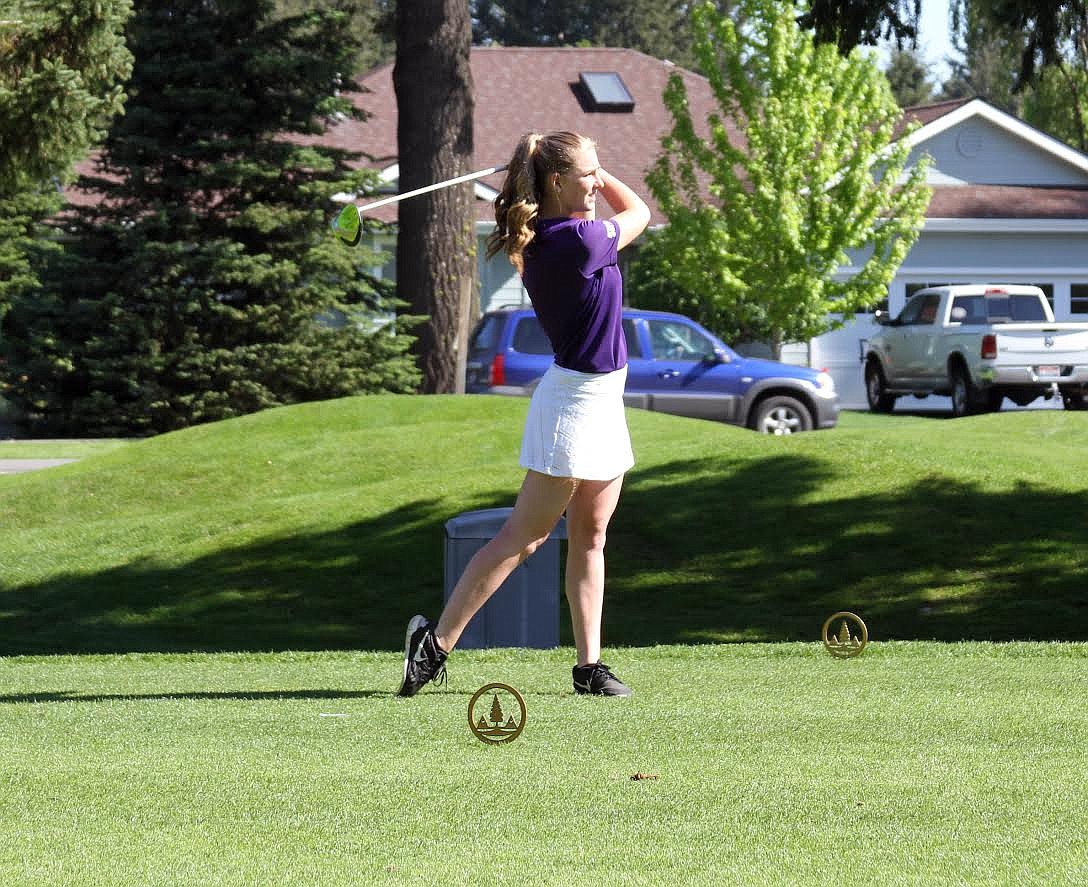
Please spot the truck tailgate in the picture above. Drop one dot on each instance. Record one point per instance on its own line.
(1051, 343)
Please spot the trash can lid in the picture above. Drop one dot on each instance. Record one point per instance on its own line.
(486, 523)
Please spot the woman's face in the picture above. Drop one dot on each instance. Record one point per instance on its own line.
(577, 188)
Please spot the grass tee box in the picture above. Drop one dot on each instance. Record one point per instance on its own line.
(916, 763)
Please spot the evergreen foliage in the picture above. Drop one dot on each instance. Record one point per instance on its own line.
(373, 24)
(989, 54)
(60, 82)
(203, 283)
(817, 174)
(908, 77)
(849, 23)
(1058, 103)
(661, 28)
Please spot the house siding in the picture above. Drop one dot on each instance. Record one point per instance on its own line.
(980, 152)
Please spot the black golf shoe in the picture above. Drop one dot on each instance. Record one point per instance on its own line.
(424, 660)
(597, 679)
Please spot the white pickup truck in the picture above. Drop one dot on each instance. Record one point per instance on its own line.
(979, 344)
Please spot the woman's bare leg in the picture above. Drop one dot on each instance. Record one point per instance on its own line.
(588, 513)
(539, 506)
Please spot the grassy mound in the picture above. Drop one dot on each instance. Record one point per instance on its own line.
(321, 527)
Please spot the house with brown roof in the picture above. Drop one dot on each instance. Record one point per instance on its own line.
(1010, 203)
(614, 96)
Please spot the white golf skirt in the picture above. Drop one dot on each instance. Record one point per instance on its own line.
(576, 426)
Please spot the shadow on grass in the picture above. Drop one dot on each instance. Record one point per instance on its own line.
(698, 551)
(243, 695)
(352, 588)
(762, 554)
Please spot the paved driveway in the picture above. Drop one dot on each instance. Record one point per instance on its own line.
(18, 466)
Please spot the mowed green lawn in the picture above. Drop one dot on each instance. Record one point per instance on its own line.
(201, 634)
(918, 763)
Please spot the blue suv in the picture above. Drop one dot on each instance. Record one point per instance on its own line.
(674, 366)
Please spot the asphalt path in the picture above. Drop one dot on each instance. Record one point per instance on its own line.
(19, 466)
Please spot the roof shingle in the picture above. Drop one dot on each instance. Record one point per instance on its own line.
(521, 89)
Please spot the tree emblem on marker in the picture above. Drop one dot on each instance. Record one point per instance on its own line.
(498, 724)
(845, 644)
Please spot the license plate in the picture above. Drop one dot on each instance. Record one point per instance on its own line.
(1049, 370)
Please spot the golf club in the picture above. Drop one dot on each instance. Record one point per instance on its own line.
(348, 224)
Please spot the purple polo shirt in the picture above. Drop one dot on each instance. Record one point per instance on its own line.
(576, 289)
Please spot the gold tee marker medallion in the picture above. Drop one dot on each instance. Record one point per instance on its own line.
(845, 644)
(488, 721)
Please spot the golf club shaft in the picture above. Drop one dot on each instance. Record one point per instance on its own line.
(457, 181)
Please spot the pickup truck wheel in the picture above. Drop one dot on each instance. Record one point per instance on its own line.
(1075, 399)
(964, 397)
(879, 402)
(781, 415)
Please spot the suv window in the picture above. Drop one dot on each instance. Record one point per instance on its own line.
(630, 333)
(486, 335)
(671, 340)
(529, 337)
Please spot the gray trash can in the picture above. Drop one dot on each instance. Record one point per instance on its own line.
(524, 612)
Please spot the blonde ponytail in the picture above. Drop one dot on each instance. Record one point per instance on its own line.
(517, 207)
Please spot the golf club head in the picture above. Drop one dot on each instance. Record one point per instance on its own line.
(347, 225)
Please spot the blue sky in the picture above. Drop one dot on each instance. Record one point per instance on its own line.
(934, 39)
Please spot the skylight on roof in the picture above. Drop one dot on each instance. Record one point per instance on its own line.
(606, 91)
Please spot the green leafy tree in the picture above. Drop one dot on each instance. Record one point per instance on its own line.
(62, 63)
(908, 77)
(1039, 60)
(202, 283)
(757, 230)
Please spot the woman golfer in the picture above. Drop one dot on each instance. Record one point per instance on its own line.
(575, 446)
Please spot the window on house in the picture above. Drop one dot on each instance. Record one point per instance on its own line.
(912, 288)
(1078, 298)
(606, 91)
(1048, 291)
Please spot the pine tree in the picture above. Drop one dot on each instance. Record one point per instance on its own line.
(203, 284)
(436, 239)
(63, 62)
(850, 23)
(661, 28)
(908, 77)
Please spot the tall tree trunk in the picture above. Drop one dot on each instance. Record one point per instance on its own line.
(436, 240)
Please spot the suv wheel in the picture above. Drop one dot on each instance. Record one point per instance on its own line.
(781, 415)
